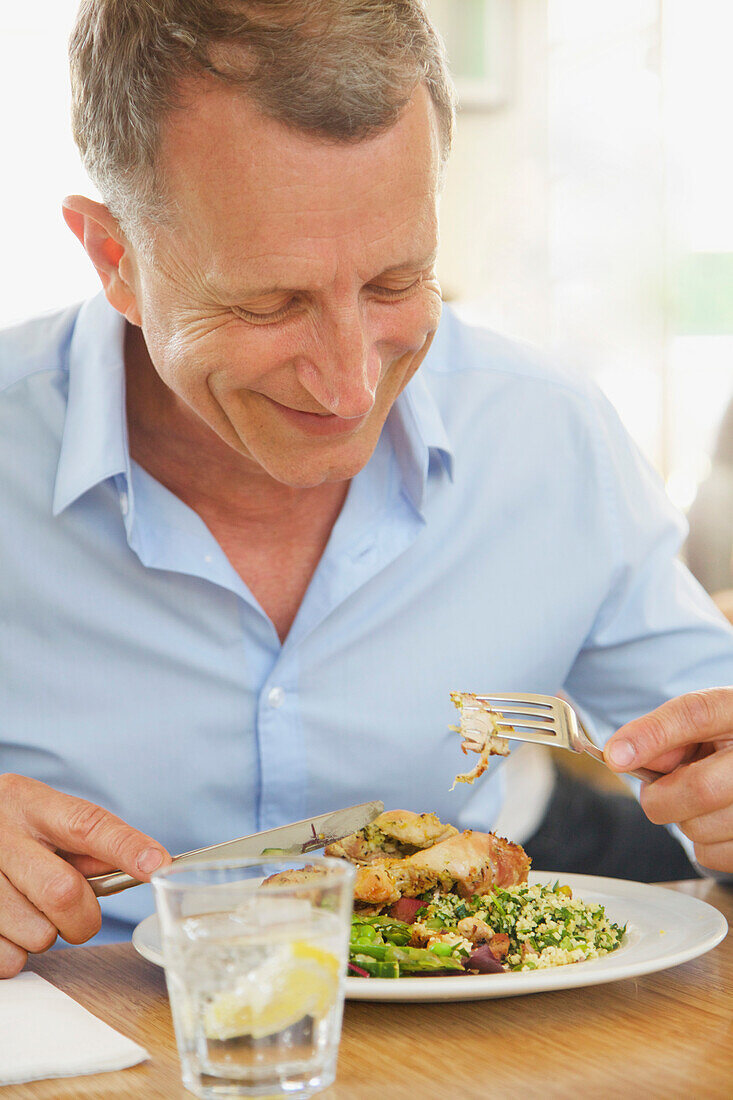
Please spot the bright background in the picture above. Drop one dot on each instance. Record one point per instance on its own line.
(588, 206)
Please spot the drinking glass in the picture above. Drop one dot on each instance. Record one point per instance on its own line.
(255, 955)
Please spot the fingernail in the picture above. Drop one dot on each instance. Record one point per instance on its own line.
(149, 860)
(622, 753)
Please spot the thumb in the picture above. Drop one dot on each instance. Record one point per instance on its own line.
(672, 734)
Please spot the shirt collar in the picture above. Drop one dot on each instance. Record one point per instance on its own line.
(417, 429)
(94, 445)
(94, 442)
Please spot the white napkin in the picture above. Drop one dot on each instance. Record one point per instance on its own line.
(44, 1033)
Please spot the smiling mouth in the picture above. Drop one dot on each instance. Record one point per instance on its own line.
(322, 423)
(307, 412)
(303, 412)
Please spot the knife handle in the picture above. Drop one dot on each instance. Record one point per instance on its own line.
(111, 883)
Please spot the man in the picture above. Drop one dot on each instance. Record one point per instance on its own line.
(263, 508)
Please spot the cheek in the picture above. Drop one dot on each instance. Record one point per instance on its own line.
(403, 329)
(191, 354)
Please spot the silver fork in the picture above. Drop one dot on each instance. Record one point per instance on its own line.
(546, 720)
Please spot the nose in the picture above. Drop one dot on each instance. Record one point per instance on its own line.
(343, 372)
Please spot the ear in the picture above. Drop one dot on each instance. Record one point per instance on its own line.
(108, 249)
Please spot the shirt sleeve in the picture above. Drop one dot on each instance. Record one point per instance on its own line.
(657, 634)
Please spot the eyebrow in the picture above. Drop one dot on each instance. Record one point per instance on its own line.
(245, 292)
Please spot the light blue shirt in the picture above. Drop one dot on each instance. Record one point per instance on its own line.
(505, 536)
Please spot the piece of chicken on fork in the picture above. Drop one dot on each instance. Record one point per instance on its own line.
(480, 729)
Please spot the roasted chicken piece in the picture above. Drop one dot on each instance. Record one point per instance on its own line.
(297, 876)
(418, 830)
(403, 854)
(375, 884)
(393, 834)
(468, 863)
(480, 729)
(475, 930)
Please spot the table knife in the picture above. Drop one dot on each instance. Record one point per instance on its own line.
(297, 839)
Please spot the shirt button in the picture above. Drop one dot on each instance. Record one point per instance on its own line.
(276, 697)
(124, 503)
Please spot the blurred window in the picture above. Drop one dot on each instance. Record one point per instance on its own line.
(478, 36)
(44, 267)
(591, 211)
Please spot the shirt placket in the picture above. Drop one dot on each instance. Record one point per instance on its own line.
(377, 524)
(283, 780)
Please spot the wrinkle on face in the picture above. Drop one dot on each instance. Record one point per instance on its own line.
(326, 222)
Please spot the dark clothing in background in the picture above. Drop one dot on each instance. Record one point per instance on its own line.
(588, 831)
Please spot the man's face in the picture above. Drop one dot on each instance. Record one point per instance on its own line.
(294, 296)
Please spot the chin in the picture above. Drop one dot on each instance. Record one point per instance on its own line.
(307, 471)
(311, 477)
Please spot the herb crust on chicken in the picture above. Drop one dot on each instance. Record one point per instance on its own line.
(403, 855)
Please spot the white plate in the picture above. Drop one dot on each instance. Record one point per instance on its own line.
(664, 928)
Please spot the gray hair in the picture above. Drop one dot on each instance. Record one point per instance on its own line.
(341, 69)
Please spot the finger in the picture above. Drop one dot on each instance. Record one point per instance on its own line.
(21, 922)
(715, 828)
(678, 724)
(693, 790)
(668, 761)
(12, 958)
(75, 825)
(716, 857)
(87, 865)
(671, 760)
(53, 887)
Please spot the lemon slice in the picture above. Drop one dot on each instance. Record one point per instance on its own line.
(300, 980)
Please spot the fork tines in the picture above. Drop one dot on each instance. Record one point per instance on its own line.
(533, 714)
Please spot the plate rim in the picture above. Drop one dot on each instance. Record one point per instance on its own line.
(577, 975)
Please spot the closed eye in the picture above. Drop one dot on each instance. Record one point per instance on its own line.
(273, 316)
(266, 317)
(394, 293)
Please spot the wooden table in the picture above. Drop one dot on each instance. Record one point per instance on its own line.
(669, 1034)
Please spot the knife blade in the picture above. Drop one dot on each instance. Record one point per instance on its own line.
(298, 838)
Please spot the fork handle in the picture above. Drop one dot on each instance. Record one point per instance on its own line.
(645, 774)
(111, 883)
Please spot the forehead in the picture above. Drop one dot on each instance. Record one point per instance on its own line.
(249, 190)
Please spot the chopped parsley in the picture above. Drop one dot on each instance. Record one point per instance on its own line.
(545, 926)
